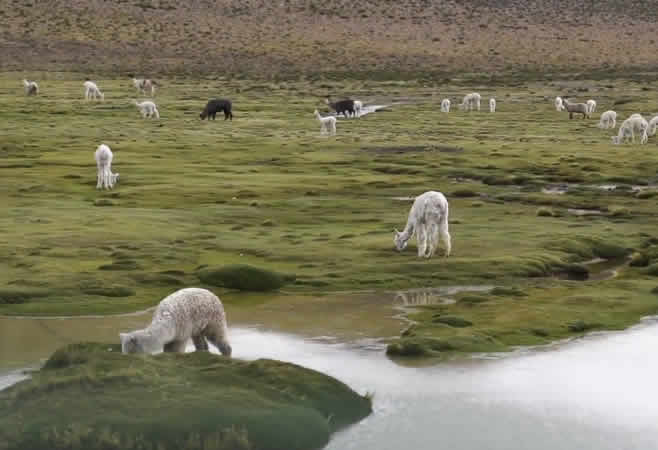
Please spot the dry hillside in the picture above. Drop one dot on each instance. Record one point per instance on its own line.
(291, 37)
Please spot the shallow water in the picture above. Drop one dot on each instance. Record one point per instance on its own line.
(593, 393)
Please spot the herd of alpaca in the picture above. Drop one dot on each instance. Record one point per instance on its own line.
(635, 125)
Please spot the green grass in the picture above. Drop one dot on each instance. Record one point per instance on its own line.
(90, 396)
(265, 190)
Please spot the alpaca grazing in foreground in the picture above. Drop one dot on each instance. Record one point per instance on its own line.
(190, 313)
(327, 124)
(148, 109)
(144, 85)
(445, 105)
(428, 218)
(492, 105)
(559, 105)
(105, 179)
(576, 108)
(92, 92)
(214, 106)
(471, 102)
(608, 120)
(344, 107)
(31, 87)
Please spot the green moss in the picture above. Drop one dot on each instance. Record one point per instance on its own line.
(9, 296)
(653, 270)
(244, 277)
(453, 321)
(545, 212)
(109, 291)
(508, 291)
(172, 401)
(472, 299)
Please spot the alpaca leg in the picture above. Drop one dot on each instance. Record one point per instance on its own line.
(157, 113)
(99, 179)
(333, 128)
(216, 334)
(200, 343)
(421, 240)
(175, 346)
(445, 235)
(434, 239)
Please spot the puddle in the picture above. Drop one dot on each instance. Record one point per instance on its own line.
(584, 212)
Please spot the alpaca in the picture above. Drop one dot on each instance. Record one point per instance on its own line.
(358, 107)
(92, 91)
(344, 107)
(143, 85)
(559, 105)
(31, 87)
(214, 106)
(470, 102)
(653, 123)
(492, 105)
(105, 179)
(608, 120)
(445, 105)
(187, 313)
(628, 128)
(148, 109)
(327, 124)
(428, 218)
(577, 108)
(591, 106)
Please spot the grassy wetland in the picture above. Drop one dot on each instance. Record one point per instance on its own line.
(267, 190)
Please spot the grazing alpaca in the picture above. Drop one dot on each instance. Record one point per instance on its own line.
(105, 179)
(591, 106)
(635, 123)
(327, 124)
(31, 87)
(428, 218)
(92, 91)
(608, 120)
(492, 105)
(148, 109)
(653, 123)
(559, 105)
(214, 106)
(577, 108)
(191, 313)
(144, 85)
(344, 107)
(445, 105)
(471, 102)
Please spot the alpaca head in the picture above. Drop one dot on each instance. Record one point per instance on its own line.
(203, 114)
(137, 342)
(25, 83)
(399, 241)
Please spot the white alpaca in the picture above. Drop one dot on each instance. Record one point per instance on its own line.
(327, 124)
(358, 107)
(470, 102)
(428, 218)
(105, 179)
(629, 127)
(653, 123)
(92, 91)
(559, 106)
(191, 313)
(143, 85)
(147, 108)
(492, 105)
(591, 106)
(608, 120)
(31, 87)
(445, 105)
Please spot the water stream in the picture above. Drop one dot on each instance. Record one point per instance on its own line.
(592, 393)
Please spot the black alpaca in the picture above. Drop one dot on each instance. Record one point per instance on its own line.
(214, 106)
(342, 107)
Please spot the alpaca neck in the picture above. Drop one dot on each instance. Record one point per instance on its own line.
(162, 331)
(317, 114)
(409, 229)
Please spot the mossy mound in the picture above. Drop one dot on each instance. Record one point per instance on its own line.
(90, 396)
(244, 278)
(10, 296)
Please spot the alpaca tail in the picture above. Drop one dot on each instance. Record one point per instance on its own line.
(156, 112)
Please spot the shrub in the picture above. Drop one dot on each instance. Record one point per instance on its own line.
(245, 278)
